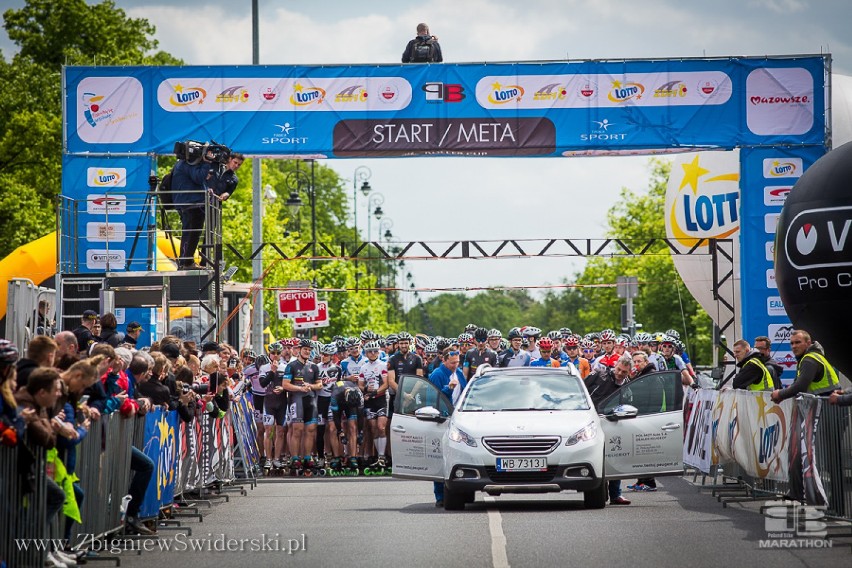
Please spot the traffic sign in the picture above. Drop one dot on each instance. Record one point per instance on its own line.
(297, 303)
(319, 320)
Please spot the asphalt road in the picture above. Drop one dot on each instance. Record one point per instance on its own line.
(385, 522)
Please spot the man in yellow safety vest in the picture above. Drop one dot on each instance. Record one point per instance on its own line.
(753, 374)
(814, 374)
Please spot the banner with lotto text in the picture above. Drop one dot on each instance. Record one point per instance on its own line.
(161, 443)
(698, 447)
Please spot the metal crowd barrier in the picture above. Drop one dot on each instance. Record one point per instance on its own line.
(834, 458)
(22, 512)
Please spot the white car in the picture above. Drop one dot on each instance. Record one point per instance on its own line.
(535, 430)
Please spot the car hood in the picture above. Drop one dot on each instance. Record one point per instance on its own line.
(523, 423)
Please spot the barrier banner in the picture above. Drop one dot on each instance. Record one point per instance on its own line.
(217, 451)
(698, 450)
(759, 433)
(805, 481)
(242, 417)
(189, 473)
(161, 445)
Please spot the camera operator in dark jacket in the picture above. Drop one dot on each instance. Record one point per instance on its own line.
(431, 49)
(190, 186)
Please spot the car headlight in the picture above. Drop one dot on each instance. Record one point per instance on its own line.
(461, 437)
(586, 433)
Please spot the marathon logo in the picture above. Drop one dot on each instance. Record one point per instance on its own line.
(463, 136)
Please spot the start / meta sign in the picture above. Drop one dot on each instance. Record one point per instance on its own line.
(297, 303)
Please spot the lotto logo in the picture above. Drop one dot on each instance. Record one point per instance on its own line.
(444, 92)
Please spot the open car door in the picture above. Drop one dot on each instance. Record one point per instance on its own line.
(418, 429)
(648, 442)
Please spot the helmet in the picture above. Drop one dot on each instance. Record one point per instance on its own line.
(673, 333)
(679, 345)
(391, 339)
(607, 335)
(421, 341)
(571, 341)
(666, 339)
(515, 332)
(525, 342)
(306, 343)
(545, 343)
(530, 331)
(465, 338)
(8, 352)
(494, 332)
(275, 347)
(504, 344)
(442, 343)
(643, 337)
(621, 340)
(353, 397)
(587, 344)
(368, 335)
(261, 361)
(353, 342)
(565, 331)
(481, 334)
(372, 346)
(329, 349)
(248, 353)
(340, 344)
(403, 336)
(594, 335)
(554, 335)
(470, 328)
(431, 348)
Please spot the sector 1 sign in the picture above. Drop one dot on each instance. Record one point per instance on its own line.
(297, 303)
(319, 320)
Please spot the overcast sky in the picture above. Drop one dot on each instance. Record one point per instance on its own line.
(460, 198)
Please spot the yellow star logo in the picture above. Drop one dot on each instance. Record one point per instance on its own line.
(178, 88)
(298, 88)
(616, 84)
(497, 86)
(691, 172)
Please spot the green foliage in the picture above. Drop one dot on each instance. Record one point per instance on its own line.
(49, 34)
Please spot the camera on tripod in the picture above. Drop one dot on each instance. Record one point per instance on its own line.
(194, 152)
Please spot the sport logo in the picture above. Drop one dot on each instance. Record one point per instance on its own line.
(269, 95)
(623, 92)
(444, 92)
(106, 177)
(388, 93)
(782, 168)
(501, 95)
(307, 95)
(185, 96)
(285, 135)
(818, 238)
(352, 94)
(601, 132)
(92, 110)
(671, 89)
(233, 95)
(708, 88)
(588, 90)
(551, 92)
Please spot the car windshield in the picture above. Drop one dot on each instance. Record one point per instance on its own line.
(532, 391)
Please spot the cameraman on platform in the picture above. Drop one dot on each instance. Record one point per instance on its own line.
(191, 183)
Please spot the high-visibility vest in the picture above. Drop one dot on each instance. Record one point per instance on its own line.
(767, 383)
(828, 381)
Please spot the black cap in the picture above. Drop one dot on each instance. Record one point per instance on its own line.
(90, 315)
(133, 326)
(170, 350)
(209, 346)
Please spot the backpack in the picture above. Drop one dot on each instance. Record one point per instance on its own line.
(422, 51)
(164, 191)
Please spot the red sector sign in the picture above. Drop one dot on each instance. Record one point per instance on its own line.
(319, 320)
(297, 303)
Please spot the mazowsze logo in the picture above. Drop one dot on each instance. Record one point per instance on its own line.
(92, 109)
(551, 92)
(780, 332)
(307, 95)
(819, 238)
(185, 96)
(625, 91)
(671, 89)
(352, 94)
(782, 168)
(106, 177)
(502, 94)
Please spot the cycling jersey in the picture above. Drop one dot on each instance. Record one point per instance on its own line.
(474, 358)
(373, 374)
(673, 364)
(509, 358)
(407, 364)
(302, 404)
(547, 363)
(350, 366)
(329, 373)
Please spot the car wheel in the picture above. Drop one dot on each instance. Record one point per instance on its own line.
(596, 498)
(453, 500)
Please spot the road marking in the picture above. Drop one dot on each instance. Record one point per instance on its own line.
(498, 539)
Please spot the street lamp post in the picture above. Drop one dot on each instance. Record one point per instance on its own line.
(385, 225)
(362, 174)
(374, 209)
(295, 182)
